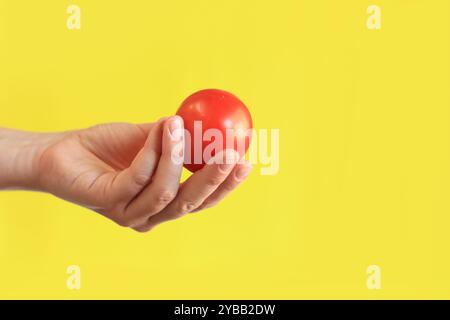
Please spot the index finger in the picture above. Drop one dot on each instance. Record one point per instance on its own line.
(196, 189)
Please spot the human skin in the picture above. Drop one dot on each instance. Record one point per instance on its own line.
(123, 171)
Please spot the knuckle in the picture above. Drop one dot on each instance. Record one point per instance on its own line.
(185, 207)
(125, 221)
(163, 198)
(228, 187)
(141, 179)
(214, 180)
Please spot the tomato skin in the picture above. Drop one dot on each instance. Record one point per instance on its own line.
(216, 109)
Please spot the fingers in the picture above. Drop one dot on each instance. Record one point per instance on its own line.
(237, 176)
(196, 189)
(166, 179)
(133, 179)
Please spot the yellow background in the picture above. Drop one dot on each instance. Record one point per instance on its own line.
(364, 119)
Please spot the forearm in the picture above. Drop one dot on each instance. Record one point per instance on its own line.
(20, 152)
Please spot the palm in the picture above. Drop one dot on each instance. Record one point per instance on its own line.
(89, 161)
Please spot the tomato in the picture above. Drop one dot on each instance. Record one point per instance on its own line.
(208, 114)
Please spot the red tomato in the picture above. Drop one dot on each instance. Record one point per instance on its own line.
(220, 111)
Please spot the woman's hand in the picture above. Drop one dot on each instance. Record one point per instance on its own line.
(128, 173)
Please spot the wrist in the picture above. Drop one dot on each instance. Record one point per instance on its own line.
(19, 158)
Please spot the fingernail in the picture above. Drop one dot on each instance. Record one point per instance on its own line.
(175, 128)
(243, 171)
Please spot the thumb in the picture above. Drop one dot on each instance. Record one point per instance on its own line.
(132, 180)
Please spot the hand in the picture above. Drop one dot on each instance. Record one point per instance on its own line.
(126, 172)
